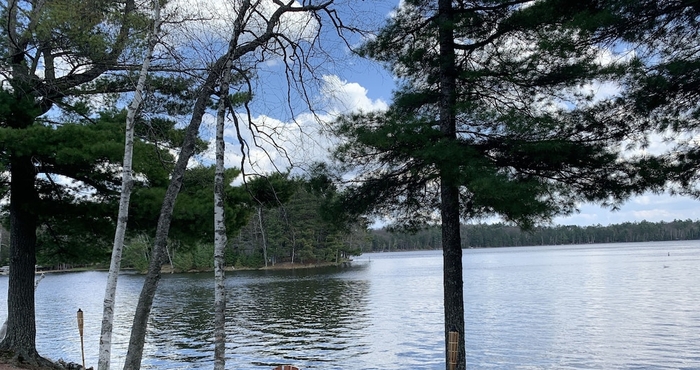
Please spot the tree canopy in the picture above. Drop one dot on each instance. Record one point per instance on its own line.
(528, 145)
(492, 117)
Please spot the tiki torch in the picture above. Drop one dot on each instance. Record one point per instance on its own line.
(80, 330)
(453, 348)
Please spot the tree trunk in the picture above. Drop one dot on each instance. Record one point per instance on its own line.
(452, 271)
(220, 228)
(127, 185)
(21, 326)
(150, 284)
(449, 191)
(262, 234)
(234, 52)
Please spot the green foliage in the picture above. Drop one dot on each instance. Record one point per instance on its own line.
(303, 229)
(55, 59)
(80, 179)
(183, 261)
(204, 256)
(16, 110)
(78, 22)
(527, 144)
(169, 95)
(661, 92)
(193, 221)
(247, 259)
(75, 232)
(272, 190)
(137, 253)
(79, 182)
(193, 216)
(198, 257)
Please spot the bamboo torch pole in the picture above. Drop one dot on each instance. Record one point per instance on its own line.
(453, 349)
(80, 330)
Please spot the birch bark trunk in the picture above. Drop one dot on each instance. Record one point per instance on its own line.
(127, 185)
(262, 234)
(220, 228)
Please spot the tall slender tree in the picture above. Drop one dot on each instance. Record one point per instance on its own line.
(127, 185)
(220, 226)
(449, 186)
(489, 120)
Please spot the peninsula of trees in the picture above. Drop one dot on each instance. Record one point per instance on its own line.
(286, 222)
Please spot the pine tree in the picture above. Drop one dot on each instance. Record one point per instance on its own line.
(51, 51)
(489, 120)
(661, 92)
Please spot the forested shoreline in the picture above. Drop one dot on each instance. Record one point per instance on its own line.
(299, 224)
(502, 235)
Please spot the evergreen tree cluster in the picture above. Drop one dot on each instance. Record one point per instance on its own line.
(503, 235)
(287, 220)
(297, 231)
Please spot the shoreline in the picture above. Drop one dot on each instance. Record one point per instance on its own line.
(167, 269)
(276, 267)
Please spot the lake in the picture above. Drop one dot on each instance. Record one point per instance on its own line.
(596, 306)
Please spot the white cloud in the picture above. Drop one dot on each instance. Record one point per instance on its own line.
(601, 90)
(343, 96)
(609, 56)
(303, 139)
(648, 207)
(654, 215)
(643, 200)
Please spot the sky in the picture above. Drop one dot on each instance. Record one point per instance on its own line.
(649, 207)
(354, 84)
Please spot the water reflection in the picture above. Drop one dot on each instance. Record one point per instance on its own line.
(309, 318)
(574, 307)
(302, 318)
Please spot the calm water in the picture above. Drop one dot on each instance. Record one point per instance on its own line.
(601, 306)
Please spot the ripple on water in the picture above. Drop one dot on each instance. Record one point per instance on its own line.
(566, 307)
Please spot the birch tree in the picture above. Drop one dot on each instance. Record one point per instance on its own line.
(220, 227)
(262, 233)
(259, 32)
(127, 185)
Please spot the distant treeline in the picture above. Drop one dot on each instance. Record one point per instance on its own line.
(502, 235)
